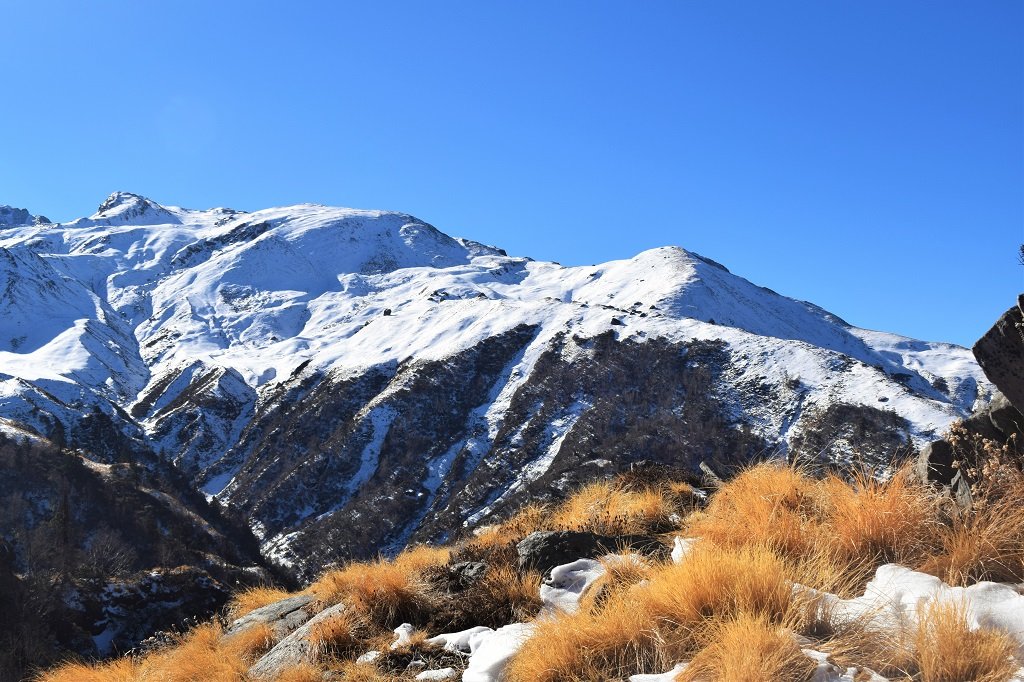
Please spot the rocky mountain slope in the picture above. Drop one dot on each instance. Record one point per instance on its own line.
(349, 381)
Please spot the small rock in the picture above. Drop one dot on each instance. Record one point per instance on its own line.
(465, 574)
(403, 635)
(369, 657)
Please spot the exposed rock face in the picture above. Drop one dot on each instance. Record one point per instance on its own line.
(283, 616)
(1000, 352)
(294, 649)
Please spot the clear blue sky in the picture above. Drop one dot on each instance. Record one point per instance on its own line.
(865, 155)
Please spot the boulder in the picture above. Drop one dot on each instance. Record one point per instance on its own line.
(282, 616)
(293, 650)
(1000, 352)
(935, 463)
(543, 550)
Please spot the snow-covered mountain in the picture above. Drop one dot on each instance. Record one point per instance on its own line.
(351, 380)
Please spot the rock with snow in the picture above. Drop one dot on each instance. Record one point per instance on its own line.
(403, 636)
(459, 641)
(369, 657)
(681, 547)
(896, 596)
(568, 582)
(15, 217)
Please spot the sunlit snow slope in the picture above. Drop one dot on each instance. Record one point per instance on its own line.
(363, 375)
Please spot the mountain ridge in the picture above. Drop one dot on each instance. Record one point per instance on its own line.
(407, 363)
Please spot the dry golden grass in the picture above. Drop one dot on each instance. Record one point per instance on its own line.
(385, 593)
(613, 643)
(197, 658)
(337, 635)
(892, 520)
(648, 626)
(250, 643)
(612, 508)
(767, 504)
(858, 521)
(247, 601)
(617, 576)
(983, 543)
(713, 582)
(121, 670)
(301, 673)
(351, 671)
(749, 647)
(505, 590)
(949, 651)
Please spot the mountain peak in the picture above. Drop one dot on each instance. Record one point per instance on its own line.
(125, 207)
(16, 217)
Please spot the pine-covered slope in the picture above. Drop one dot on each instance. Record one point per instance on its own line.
(351, 380)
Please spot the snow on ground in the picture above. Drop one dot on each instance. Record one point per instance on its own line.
(891, 602)
(896, 596)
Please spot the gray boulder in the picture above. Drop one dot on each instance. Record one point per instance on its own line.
(935, 463)
(282, 616)
(293, 649)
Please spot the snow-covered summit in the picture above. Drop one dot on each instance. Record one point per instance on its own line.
(392, 354)
(122, 208)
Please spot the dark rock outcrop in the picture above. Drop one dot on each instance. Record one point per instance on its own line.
(543, 550)
(1000, 352)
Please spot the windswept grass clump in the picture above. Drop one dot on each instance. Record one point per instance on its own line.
(338, 635)
(644, 626)
(782, 507)
(583, 646)
(247, 601)
(749, 647)
(985, 542)
(617, 508)
(386, 592)
(948, 650)
(120, 670)
(249, 644)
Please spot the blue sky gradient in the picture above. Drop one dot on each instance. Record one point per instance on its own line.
(864, 155)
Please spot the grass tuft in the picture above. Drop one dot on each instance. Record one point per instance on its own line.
(749, 647)
(948, 650)
(247, 601)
